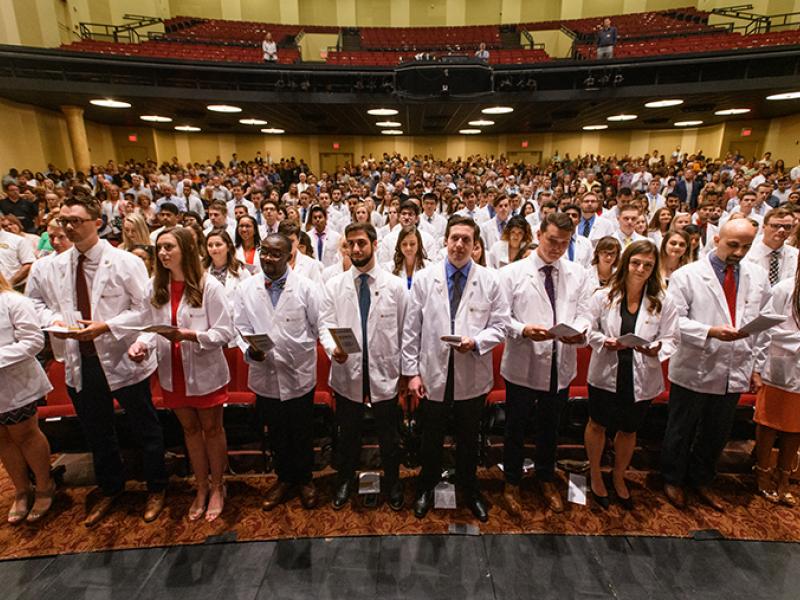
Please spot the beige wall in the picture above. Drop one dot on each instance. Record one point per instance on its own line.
(782, 138)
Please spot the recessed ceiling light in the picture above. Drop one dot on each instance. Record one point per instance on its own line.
(687, 123)
(273, 130)
(732, 111)
(223, 108)
(155, 119)
(784, 96)
(392, 132)
(469, 131)
(621, 118)
(252, 121)
(186, 128)
(388, 123)
(382, 112)
(481, 123)
(497, 110)
(109, 103)
(663, 103)
(594, 127)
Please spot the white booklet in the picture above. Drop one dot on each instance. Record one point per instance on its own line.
(453, 340)
(150, 328)
(345, 340)
(563, 330)
(259, 341)
(762, 323)
(631, 340)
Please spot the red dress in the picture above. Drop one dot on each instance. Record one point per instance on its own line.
(177, 398)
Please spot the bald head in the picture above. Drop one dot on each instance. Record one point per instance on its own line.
(734, 240)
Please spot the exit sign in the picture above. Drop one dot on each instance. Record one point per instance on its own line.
(746, 132)
(524, 143)
(133, 138)
(335, 145)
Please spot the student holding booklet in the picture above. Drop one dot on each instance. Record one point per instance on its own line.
(192, 369)
(634, 328)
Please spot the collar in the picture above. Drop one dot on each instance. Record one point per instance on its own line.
(718, 263)
(372, 273)
(281, 278)
(585, 220)
(451, 269)
(93, 254)
(538, 263)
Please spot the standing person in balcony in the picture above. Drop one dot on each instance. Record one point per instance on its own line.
(606, 39)
(269, 48)
(482, 53)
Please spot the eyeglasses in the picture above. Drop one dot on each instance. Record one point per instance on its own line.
(74, 221)
(784, 226)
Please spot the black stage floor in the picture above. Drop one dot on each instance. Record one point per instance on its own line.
(452, 567)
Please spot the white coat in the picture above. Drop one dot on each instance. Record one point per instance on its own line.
(482, 315)
(648, 379)
(435, 227)
(232, 282)
(602, 227)
(525, 362)
(118, 291)
(778, 347)
(204, 366)
(706, 365)
(330, 246)
(387, 246)
(290, 368)
(21, 376)
(583, 251)
(759, 254)
(489, 232)
(307, 267)
(384, 333)
(256, 266)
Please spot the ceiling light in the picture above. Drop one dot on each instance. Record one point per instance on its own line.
(274, 130)
(252, 121)
(687, 123)
(109, 103)
(223, 108)
(497, 110)
(732, 111)
(663, 103)
(621, 118)
(186, 128)
(481, 123)
(392, 132)
(382, 112)
(784, 96)
(155, 119)
(469, 131)
(388, 123)
(594, 127)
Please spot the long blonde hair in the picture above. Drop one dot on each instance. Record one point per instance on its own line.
(141, 233)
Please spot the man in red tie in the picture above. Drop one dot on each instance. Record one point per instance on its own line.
(713, 365)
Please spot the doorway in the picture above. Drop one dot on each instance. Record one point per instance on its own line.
(331, 161)
(529, 157)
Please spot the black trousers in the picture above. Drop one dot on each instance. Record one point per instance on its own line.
(291, 436)
(467, 416)
(94, 405)
(350, 422)
(698, 428)
(520, 402)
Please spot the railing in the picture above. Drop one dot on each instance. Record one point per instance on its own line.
(528, 38)
(118, 33)
(757, 23)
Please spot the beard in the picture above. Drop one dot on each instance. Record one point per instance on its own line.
(361, 262)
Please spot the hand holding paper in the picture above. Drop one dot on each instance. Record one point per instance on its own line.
(345, 340)
(761, 323)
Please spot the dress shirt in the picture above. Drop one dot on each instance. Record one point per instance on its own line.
(90, 265)
(719, 269)
(275, 287)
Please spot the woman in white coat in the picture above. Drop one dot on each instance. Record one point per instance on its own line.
(516, 236)
(409, 255)
(221, 263)
(192, 368)
(777, 415)
(23, 447)
(622, 378)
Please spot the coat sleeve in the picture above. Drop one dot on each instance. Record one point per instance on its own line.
(669, 332)
(327, 318)
(29, 339)
(495, 331)
(412, 329)
(514, 327)
(220, 325)
(680, 294)
(597, 308)
(136, 285)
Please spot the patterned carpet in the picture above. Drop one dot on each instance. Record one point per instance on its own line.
(748, 517)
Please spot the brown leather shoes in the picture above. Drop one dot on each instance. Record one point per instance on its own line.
(675, 495)
(100, 510)
(275, 495)
(709, 497)
(308, 495)
(551, 497)
(513, 499)
(154, 506)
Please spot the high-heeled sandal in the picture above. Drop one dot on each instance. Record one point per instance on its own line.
(15, 515)
(37, 511)
(196, 511)
(211, 515)
(785, 497)
(765, 481)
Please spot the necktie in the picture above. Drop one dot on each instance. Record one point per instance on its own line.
(364, 302)
(587, 228)
(320, 238)
(274, 289)
(501, 225)
(774, 266)
(455, 300)
(571, 250)
(549, 287)
(84, 304)
(729, 287)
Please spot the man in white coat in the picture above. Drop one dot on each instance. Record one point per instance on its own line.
(409, 215)
(591, 225)
(628, 214)
(771, 252)
(372, 303)
(580, 249)
(102, 286)
(492, 230)
(713, 365)
(542, 290)
(324, 240)
(300, 263)
(283, 373)
(463, 301)
(430, 221)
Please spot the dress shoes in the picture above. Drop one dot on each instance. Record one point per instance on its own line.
(275, 495)
(342, 495)
(709, 497)
(154, 506)
(675, 495)
(423, 504)
(396, 496)
(477, 505)
(551, 497)
(513, 499)
(626, 503)
(601, 501)
(100, 510)
(308, 495)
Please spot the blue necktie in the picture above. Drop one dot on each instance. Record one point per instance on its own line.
(571, 251)
(319, 246)
(455, 298)
(364, 302)
(587, 228)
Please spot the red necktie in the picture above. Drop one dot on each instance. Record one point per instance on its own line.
(729, 287)
(84, 303)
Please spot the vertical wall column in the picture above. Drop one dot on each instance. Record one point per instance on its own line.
(77, 137)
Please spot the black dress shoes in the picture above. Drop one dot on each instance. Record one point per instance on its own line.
(342, 495)
(423, 504)
(396, 496)
(478, 507)
(602, 501)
